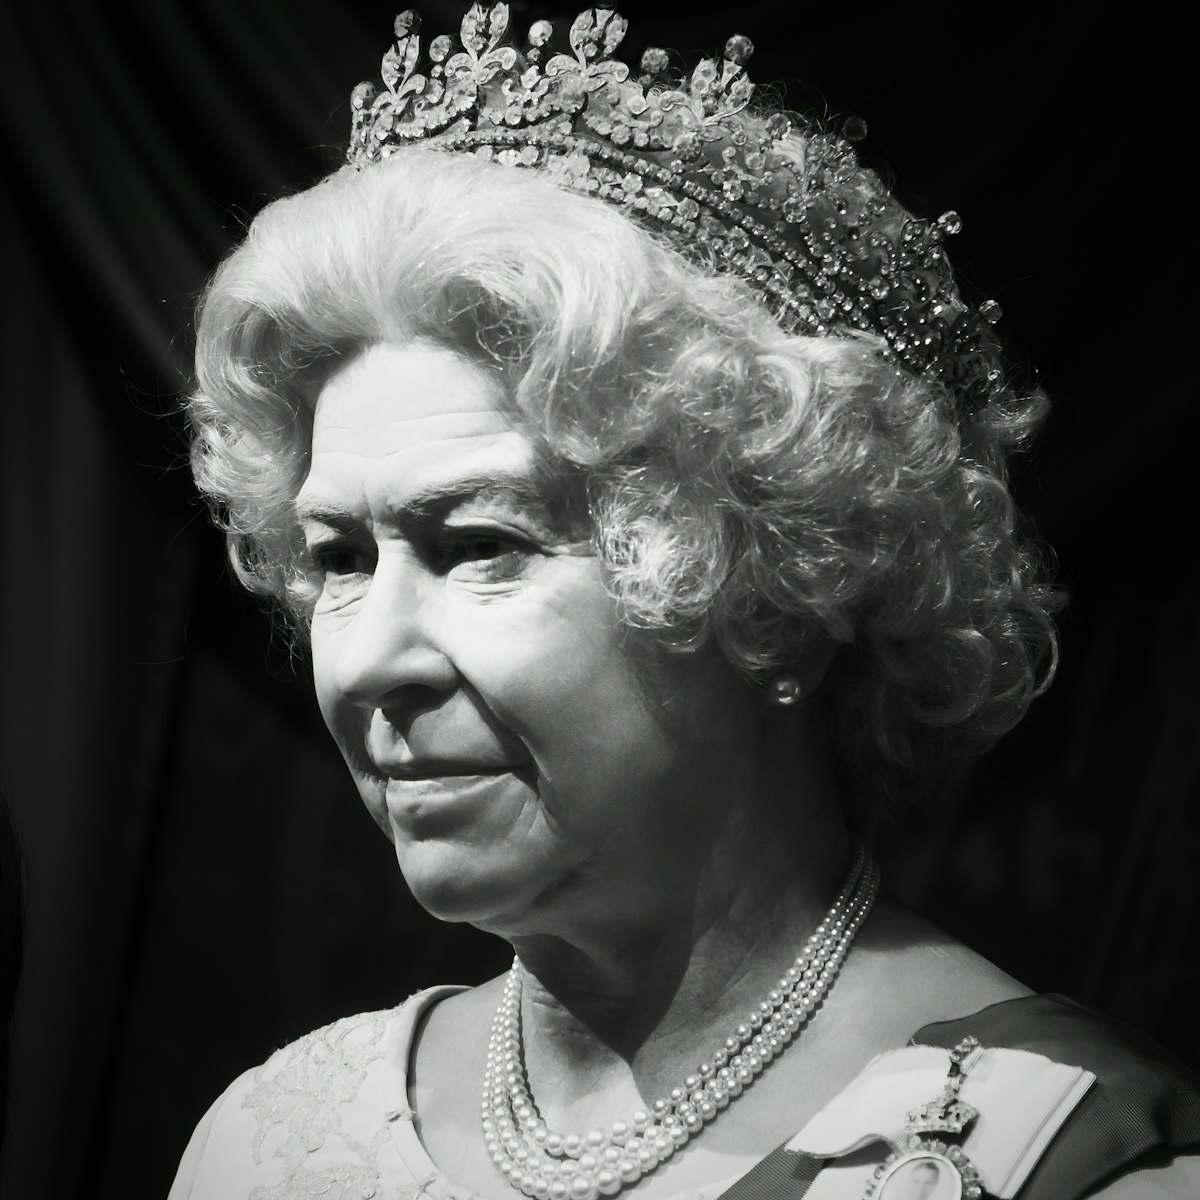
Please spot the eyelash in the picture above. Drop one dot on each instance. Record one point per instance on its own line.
(504, 551)
(324, 559)
(471, 545)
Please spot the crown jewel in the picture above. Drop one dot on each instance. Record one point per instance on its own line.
(946, 1113)
(943, 1115)
(687, 156)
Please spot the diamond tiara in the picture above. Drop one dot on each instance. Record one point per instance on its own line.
(802, 222)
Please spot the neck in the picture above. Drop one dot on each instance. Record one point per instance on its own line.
(624, 1003)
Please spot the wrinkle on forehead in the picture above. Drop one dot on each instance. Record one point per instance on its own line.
(403, 424)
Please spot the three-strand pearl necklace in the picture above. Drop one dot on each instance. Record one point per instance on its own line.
(548, 1165)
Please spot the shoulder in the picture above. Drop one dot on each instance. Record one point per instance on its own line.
(319, 1106)
(325, 1064)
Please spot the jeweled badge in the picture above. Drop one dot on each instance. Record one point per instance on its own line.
(928, 1164)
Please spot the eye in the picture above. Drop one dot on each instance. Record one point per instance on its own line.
(488, 554)
(336, 560)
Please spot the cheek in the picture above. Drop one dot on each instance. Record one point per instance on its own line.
(344, 720)
(322, 672)
(548, 667)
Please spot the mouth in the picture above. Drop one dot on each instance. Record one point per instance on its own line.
(432, 803)
(444, 771)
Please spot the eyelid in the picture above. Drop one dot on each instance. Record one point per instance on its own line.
(322, 548)
(489, 528)
(321, 533)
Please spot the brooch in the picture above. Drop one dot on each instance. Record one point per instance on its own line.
(928, 1164)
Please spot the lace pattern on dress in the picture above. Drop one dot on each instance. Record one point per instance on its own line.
(300, 1092)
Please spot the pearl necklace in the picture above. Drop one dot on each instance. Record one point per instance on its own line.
(547, 1165)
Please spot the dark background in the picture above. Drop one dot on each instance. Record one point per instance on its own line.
(203, 883)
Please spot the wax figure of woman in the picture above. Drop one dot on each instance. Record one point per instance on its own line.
(637, 472)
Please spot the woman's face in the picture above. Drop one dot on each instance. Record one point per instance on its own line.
(512, 737)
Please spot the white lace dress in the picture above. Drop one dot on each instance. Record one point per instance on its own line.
(327, 1118)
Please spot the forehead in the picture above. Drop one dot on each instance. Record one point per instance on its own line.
(406, 419)
(420, 390)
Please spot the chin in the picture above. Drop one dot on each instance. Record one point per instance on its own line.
(459, 888)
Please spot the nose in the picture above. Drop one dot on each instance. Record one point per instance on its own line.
(387, 654)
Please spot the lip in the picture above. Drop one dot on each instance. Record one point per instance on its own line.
(430, 804)
(416, 771)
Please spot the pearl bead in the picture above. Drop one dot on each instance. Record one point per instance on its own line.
(608, 1183)
(784, 690)
(629, 1171)
(583, 1187)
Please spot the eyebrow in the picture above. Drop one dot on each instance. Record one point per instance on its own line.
(435, 497)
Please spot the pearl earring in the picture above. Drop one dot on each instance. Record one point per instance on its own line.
(784, 689)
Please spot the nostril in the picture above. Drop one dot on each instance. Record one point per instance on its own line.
(399, 708)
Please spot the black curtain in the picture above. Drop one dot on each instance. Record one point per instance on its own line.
(203, 885)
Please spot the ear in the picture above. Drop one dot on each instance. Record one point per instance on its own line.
(813, 665)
